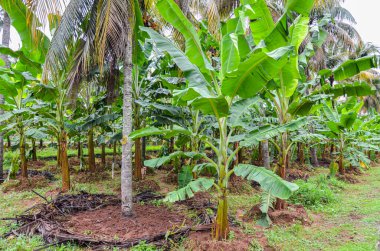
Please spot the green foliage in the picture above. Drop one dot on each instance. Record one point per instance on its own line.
(200, 184)
(143, 246)
(317, 192)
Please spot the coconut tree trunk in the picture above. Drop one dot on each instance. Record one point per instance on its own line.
(64, 162)
(41, 144)
(265, 153)
(1, 145)
(91, 151)
(103, 157)
(5, 42)
(126, 158)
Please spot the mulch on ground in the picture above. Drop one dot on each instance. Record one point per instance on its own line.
(202, 241)
(108, 224)
(95, 220)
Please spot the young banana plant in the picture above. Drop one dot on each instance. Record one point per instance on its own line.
(248, 61)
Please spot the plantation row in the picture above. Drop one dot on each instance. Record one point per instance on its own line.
(211, 91)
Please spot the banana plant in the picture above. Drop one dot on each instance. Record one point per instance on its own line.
(345, 129)
(19, 110)
(248, 61)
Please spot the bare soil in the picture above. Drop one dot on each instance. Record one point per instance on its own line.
(238, 185)
(296, 174)
(108, 223)
(87, 177)
(22, 184)
(349, 178)
(291, 215)
(36, 164)
(202, 241)
(146, 185)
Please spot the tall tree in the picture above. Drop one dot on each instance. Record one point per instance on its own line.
(4, 42)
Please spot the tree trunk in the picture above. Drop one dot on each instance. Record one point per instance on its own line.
(9, 142)
(41, 144)
(126, 161)
(64, 162)
(143, 149)
(265, 153)
(301, 154)
(58, 152)
(5, 43)
(237, 156)
(138, 160)
(24, 165)
(342, 170)
(34, 150)
(91, 151)
(260, 157)
(314, 157)
(103, 156)
(79, 149)
(1, 145)
(221, 227)
(282, 167)
(113, 160)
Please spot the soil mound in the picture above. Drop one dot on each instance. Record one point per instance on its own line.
(348, 178)
(297, 174)
(291, 215)
(146, 186)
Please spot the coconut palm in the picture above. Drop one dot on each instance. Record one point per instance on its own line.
(5, 42)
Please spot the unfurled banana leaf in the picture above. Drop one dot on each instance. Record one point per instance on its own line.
(198, 185)
(356, 89)
(151, 131)
(268, 181)
(158, 162)
(217, 106)
(261, 21)
(98, 121)
(185, 176)
(351, 68)
(300, 6)
(17, 12)
(190, 70)
(230, 55)
(240, 107)
(253, 74)
(170, 11)
(268, 132)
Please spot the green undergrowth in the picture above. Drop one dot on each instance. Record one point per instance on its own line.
(317, 192)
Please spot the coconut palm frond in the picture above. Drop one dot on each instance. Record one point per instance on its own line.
(44, 13)
(340, 13)
(69, 29)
